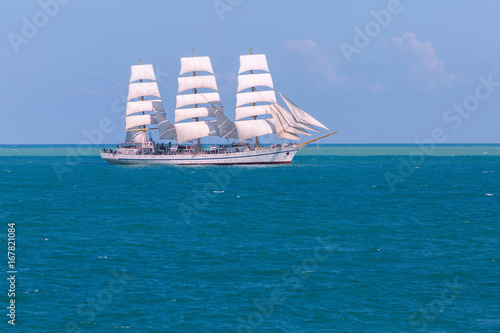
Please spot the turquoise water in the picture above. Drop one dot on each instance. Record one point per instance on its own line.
(346, 239)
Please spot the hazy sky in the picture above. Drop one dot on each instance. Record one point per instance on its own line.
(377, 71)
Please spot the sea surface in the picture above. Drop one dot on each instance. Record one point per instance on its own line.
(348, 238)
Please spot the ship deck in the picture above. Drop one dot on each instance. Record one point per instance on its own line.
(267, 155)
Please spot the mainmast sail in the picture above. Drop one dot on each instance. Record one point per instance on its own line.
(196, 104)
(144, 106)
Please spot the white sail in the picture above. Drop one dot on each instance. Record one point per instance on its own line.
(280, 130)
(291, 124)
(253, 62)
(196, 64)
(142, 106)
(183, 114)
(255, 97)
(283, 128)
(300, 115)
(143, 89)
(191, 82)
(142, 72)
(305, 126)
(192, 99)
(251, 111)
(194, 130)
(166, 129)
(255, 80)
(141, 120)
(135, 135)
(251, 128)
(227, 129)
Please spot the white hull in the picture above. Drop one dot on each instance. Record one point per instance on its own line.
(279, 155)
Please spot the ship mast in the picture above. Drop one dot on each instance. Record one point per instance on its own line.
(142, 99)
(196, 105)
(254, 117)
(142, 111)
(255, 102)
(199, 104)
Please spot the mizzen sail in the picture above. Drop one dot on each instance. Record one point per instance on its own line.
(144, 106)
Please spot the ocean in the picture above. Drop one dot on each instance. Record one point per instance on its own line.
(348, 238)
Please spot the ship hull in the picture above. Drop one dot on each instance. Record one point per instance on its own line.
(280, 155)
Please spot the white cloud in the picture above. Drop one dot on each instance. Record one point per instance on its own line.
(376, 87)
(317, 57)
(424, 63)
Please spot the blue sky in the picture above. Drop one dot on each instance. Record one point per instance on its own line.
(417, 71)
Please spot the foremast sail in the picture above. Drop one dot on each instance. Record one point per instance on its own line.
(256, 97)
(144, 106)
(250, 102)
(196, 104)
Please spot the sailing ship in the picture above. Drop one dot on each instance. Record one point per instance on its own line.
(199, 114)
